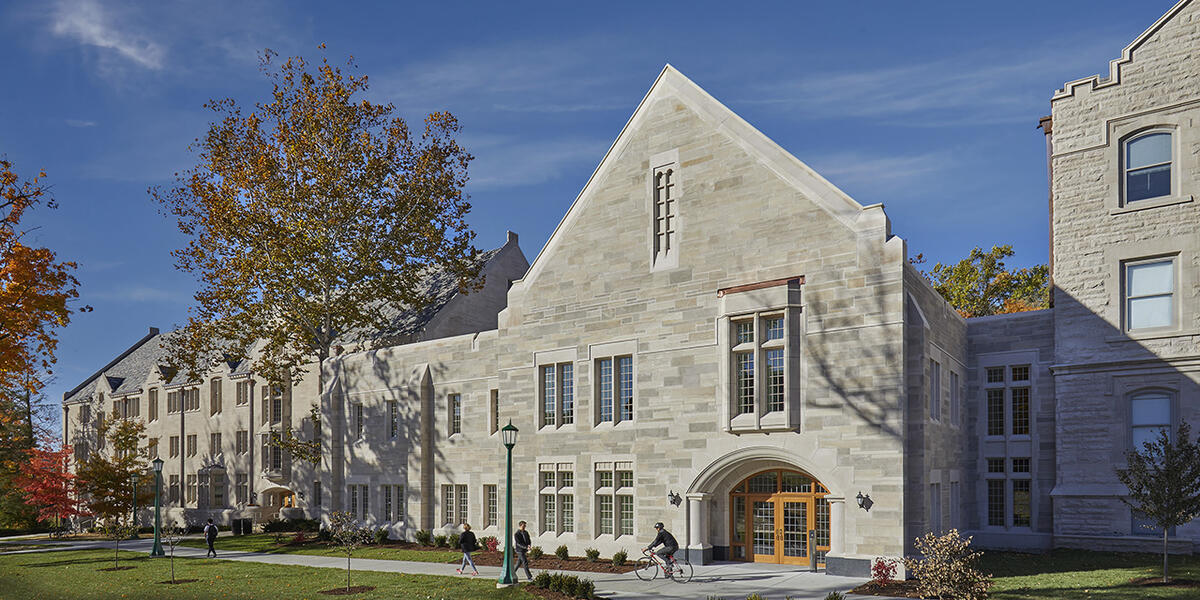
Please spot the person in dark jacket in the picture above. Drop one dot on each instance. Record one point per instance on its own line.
(669, 546)
(521, 543)
(467, 543)
(210, 536)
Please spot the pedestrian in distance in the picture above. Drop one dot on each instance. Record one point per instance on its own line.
(467, 543)
(210, 536)
(521, 543)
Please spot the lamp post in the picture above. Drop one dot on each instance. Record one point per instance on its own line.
(508, 435)
(157, 550)
(133, 479)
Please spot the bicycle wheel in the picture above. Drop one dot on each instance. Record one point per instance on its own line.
(646, 569)
(683, 572)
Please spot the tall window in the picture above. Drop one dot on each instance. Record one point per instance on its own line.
(1150, 294)
(152, 405)
(191, 445)
(393, 503)
(357, 415)
(174, 404)
(557, 497)
(173, 488)
(316, 497)
(615, 389)
(393, 419)
(995, 502)
(243, 391)
(935, 390)
(191, 399)
(614, 498)
(455, 401)
(174, 446)
(214, 443)
(935, 507)
(955, 398)
(152, 447)
(1150, 414)
(241, 488)
(1008, 397)
(665, 199)
(192, 486)
(758, 367)
(955, 499)
(242, 441)
(557, 394)
(214, 397)
(494, 410)
(276, 404)
(1020, 411)
(1148, 166)
(217, 488)
(490, 511)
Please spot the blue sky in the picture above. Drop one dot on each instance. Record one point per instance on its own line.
(928, 107)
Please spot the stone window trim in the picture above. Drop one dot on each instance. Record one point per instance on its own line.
(614, 352)
(1007, 361)
(562, 363)
(1168, 387)
(1184, 249)
(455, 407)
(756, 306)
(557, 480)
(1175, 294)
(1010, 506)
(608, 486)
(659, 164)
(1123, 130)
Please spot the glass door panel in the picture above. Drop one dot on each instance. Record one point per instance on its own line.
(795, 530)
(763, 530)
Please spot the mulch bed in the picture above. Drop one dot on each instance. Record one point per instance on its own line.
(1157, 582)
(117, 569)
(178, 581)
(358, 589)
(898, 589)
(550, 562)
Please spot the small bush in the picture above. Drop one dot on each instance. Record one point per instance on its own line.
(562, 552)
(276, 526)
(381, 536)
(592, 554)
(586, 589)
(542, 580)
(835, 595)
(439, 541)
(324, 535)
(883, 571)
(756, 597)
(299, 538)
(535, 552)
(490, 542)
(424, 537)
(556, 581)
(452, 540)
(947, 568)
(619, 558)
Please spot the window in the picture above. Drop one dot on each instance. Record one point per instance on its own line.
(995, 374)
(614, 498)
(173, 488)
(955, 398)
(1020, 465)
(174, 446)
(665, 199)
(191, 399)
(152, 447)
(393, 419)
(357, 415)
(1020, 373)
(454, 504)
(214, 443)
(455, 401)
(1020, 411)
(557, 497)
(241, 487)
(152, 405)
(1022, 500)
(191, 445)
(133, 407)
(557, 394)
(214, 397)
(243, 441)
(243, 392)
(935, 390)
(955, 499)
(316, 497)
(935, 507)
(173, 402)
(615, 389)
(1149, 294)
(758, 368)
(1148, 166)
(191, 487)
(460, 493)
(217, 485)
(995, 411)
(276, 404)
(995, 502)
(1150, 414)
(359, 496)
(353, 493)
(494, 410)
(393, 501)
(995, 465)
(490, 512)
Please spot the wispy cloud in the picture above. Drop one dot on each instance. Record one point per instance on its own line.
(502, 162)
(874, 174)
(138, 293)
(80, 123)
(90, 24)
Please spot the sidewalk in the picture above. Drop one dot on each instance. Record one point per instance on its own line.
(731, 581)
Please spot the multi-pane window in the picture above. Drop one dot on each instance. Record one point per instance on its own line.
(1150, 414)
(152, 448)
(393, 419)
(615, 389)
(448, 504)
(393, 503)
(460, 493)
(935, 507)
(743, 359)
(995, 465)
(995, 374)
(775, 380)
(491, 510)
(955, 499)
(192, 486)
(494, 410)
(191, 399)
(1022, 502)
(935, 390)
(217, 488)
(996, 505)
(995, 411)
(1020, 465)
(1020, 411)
(455, 401)
(275, 402)
(454, 504)
(1147, 166)
(191, 445)
(214, 397)
(242, 441)
(359, 501)
(243, 391)
(174, 402)
(1008, 400)
(1020, 372)
(272, 454)
(316, 497)
(1150, 294)
(665, 199)
(173, 489)
(955, 413)
(557, 497)
(758, 354)
(557, 394)
(152, 405)
(214, 443)
(133, 407)
(614, 498)
(357, 415)
(241, 488)
(174, 446)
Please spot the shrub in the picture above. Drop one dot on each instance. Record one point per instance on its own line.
(275, 526)
(490, 542)
(592, 554)
(424, 537)
(535, 552)
(324, 535)
(947, 568)
(883, 571)
(586, 589)
(756, 597)
(542, 580)
(835, 595)
(452, 540)
(439, 541)
(556, 582)
(562, 552)
(381, 536)
(619, 558)
(299, 538)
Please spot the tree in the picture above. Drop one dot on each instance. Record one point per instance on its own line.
(23, 421)
(116, 531)
(979, 285)
(47, 483)
(348, 534)
(308, 217)
(1163, 478)
(104, 478)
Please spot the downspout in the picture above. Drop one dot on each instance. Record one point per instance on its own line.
(1046, 125)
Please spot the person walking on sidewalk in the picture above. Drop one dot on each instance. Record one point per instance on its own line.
(467, 543)
(521, 543)
(210, 536)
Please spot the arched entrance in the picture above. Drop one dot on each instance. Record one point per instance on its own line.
(779, 516)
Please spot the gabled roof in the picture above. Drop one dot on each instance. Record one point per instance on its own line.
(1114, 66)
(789, 168)
(127, 372)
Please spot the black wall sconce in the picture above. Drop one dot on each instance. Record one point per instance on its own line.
(864, 502)
(674, 499)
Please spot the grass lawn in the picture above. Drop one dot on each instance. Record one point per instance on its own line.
(1081, 575)
(76, 574)
(265, 542)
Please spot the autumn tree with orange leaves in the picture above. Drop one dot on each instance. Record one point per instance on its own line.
(48, 485)
(982, 285)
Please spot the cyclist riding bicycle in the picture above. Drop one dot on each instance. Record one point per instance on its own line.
(669, 545)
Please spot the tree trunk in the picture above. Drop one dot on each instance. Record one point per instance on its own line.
(1166, 576)
(347, 571)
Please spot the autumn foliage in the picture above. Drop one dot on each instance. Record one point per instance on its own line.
(48, 484)
(981, 285)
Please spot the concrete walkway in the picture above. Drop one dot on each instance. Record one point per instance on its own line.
(731, 581)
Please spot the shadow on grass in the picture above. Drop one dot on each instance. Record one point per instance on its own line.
(1016, 564)
(178, 581)
(81, 561)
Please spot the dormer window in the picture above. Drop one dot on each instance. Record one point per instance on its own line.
(1147, 169)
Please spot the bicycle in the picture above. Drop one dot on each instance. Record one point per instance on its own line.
(650, 564)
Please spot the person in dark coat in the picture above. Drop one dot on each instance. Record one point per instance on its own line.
(468, 545)
(210, 536)
(521, 543)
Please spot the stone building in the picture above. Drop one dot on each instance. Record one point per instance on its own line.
(717, 338)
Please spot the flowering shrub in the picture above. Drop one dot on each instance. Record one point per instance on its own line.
(946, 568)
(883, 571)
(299, 538)
(491, 543)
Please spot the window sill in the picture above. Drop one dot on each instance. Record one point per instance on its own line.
(612, 425)
(1149, 204)
(1154, 334)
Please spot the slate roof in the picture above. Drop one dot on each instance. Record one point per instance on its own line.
(128, 372)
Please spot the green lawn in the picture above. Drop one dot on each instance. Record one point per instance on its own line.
(75, 574)
(265, 542)
(1081, 575)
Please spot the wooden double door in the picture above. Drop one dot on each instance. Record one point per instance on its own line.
(779, 517)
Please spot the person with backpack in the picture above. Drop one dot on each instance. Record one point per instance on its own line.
(210, 536)
(467, 543)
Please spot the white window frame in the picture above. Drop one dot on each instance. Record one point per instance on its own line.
(1172, 164)
(1127, 299)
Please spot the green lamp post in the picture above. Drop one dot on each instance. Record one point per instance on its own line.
(158, 549)
(508, 435)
